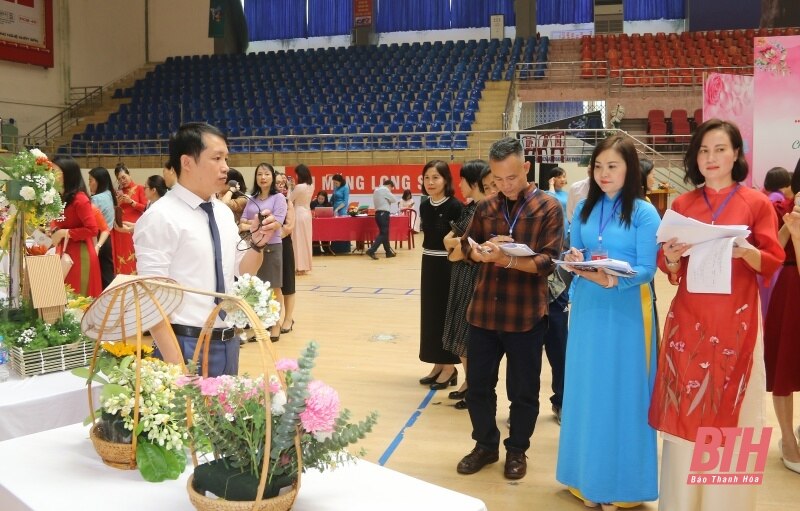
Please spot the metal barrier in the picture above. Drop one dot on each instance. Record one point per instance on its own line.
(55, 126)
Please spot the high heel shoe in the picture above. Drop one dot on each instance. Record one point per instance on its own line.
(429, 379)
(452, 382)
(457, 394)
(794, 466)
(287, 330)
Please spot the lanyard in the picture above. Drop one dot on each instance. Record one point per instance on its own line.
(511, 223)
(603, 224)
(718, 212)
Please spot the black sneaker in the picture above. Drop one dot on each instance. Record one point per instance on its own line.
(371, 255)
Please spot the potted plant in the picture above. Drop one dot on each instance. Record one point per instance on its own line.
(140, 411)
(253, 428)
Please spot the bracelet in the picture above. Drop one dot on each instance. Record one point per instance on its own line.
(510, 262)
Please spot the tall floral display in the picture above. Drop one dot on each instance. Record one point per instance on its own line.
(29, 198)
(274, 426)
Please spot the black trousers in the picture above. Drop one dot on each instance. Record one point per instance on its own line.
(382, 219)
(106, 258)
(523, 351)
(555, 344)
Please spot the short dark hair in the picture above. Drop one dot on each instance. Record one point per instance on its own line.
(273, 187)
(407, 194)
(120, 167)
(693, 174)
(646, 165)
(557, 172)
(102, 177)
(444, 170)
(303, 174)
(631, 187)
(472, 172)
(339, 179)
(388, 182)
(189, 140)
(168, 165)
(158, 184)
(505, 147)
(72, 177)
(777, 178)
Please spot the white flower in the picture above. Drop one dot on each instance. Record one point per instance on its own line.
(278, 403)
(27, 193)
(37, 153)
(48, 196)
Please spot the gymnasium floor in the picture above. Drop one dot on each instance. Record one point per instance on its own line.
(365, 316)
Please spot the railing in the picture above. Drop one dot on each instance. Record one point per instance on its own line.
(599, 74)
(364, 148)
(56, 125)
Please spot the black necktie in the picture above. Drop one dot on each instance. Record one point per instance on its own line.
(212, 225)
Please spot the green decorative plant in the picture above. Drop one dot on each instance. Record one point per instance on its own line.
(161, 429)
(230, 419)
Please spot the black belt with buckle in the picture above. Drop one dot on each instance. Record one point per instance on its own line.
(217, 334)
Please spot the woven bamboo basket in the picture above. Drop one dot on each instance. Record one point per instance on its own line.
(113, 454)
(127, 308)
(268, 357)
(280, 503)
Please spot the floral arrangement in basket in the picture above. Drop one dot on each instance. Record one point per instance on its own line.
(231, 415)
(259, 296)
(31, 187)
(24, 329)
(160, 428)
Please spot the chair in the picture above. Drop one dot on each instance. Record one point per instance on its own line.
(412, 219)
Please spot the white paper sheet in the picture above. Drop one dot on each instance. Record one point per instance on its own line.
(612, 266)
(689, 230)
(517, 249)
(709, 269)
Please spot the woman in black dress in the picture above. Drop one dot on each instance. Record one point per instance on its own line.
(436, 215)
(463, 275)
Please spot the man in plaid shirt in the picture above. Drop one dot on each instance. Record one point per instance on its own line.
(508, 312)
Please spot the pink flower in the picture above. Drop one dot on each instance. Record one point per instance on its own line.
(322, 408)
(714, 340)
(274, 384)
(705, 365)
(715, 87)
(744, 326)
(286, 364)
(209, 386)
(677, 346)
(727, 352)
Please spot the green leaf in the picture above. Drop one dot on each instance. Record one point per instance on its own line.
(113, 389)
(157, 464)
(83, 372)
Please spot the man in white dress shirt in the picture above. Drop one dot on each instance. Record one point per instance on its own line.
(382, 200)
(175, 238)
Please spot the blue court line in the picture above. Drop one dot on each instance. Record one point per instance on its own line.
(411, 420)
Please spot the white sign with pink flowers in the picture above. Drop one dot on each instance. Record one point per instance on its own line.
(776, 119)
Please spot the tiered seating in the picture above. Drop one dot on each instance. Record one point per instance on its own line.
(677, 125)
(408, 88)
(674, 59)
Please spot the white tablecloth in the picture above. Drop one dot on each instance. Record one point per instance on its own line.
(58, 469)
(42, 402)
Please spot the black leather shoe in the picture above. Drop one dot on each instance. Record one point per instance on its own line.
(452, 382)
(516, 465)
(557, 413)
(427, 380)
(371, 255)
(457, 394)
(391, 254)
(461, 405)
(476, 460)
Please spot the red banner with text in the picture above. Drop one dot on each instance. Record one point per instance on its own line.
(26, 31)
(362, 13)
